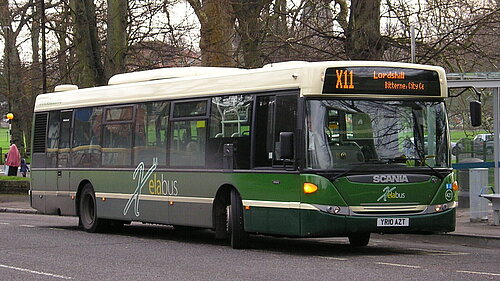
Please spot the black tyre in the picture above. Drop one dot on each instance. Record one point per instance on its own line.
(239, 238)
(359, 239)
(88, 211)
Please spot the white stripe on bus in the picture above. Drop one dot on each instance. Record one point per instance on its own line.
(277, 204)
(53, 193)
(186, 199)
(165, 198)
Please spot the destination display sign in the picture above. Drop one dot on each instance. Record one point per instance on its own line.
(376, 80)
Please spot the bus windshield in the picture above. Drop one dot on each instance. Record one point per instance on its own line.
(349, 133)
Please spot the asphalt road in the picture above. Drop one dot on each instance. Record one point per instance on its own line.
(38, 247)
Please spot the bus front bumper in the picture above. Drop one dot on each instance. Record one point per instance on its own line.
(321, 224)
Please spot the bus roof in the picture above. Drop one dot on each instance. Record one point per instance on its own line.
(191, 82)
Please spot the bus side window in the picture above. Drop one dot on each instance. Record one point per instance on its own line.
(188, 133)
(86, 148)
(53, 130)
(63, 155)
(151, 123)
(117, 136)
(230, 123)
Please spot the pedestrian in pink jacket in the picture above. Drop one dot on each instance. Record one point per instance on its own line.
(13, 160)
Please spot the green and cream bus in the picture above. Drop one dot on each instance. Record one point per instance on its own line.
(296, 149)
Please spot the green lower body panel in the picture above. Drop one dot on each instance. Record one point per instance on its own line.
(276, 221)
(310, 223)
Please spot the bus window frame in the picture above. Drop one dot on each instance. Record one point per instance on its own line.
(173, 104)
(105, 120)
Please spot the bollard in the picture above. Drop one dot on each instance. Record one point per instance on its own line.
(478, 178)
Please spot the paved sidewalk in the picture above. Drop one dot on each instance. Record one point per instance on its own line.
(466, 232)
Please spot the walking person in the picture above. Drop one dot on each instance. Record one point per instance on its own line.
(5, 166)
(24, 168)
(13, 160)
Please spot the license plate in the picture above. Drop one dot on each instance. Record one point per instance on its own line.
(393, 222)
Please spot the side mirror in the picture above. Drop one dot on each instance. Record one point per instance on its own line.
(286, 145)
(475, 113)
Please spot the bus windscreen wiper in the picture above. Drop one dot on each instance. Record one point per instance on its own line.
(423, 163)
(370, 161)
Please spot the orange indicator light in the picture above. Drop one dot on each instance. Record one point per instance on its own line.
(103, 198)
(170, 203)
(455, 185)
(309, 187)
(247, 207)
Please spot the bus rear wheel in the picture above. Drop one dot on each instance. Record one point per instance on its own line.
(88, 211)
(239, 238)
(359, 239)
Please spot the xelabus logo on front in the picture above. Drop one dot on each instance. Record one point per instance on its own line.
(391, 193)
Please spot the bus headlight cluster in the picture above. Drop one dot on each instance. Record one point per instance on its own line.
(333, 209)
(440, 208)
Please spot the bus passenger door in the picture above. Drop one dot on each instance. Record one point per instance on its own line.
(63, 162)
(275, 184)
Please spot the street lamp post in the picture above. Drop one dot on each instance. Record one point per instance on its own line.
(10, 116)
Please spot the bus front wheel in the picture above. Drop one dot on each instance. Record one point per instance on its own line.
(239, 238)
(88, 210)
(359, 239)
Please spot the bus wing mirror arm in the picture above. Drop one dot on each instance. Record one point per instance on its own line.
(286, 146)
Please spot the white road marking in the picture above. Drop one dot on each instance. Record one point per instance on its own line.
(35, 272)
(27, 225)
(439, 252)
(4, 223)
(399, 265)
(332, 258)
(478, 272)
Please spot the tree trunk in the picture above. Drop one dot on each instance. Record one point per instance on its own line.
(36, 74)
(217, 29)
(116, 45)
(363, 39)
(279, 32)
(249, 28)
(87, 44)
(63, 60)
(14, 76)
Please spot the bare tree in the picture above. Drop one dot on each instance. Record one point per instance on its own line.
(87, 43)
(250, 30)
(116, 46)
(363, 38)
(216, 18)
(14, 72)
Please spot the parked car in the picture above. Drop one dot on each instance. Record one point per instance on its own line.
(484, 142)
(464, 145)
(481, 143)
